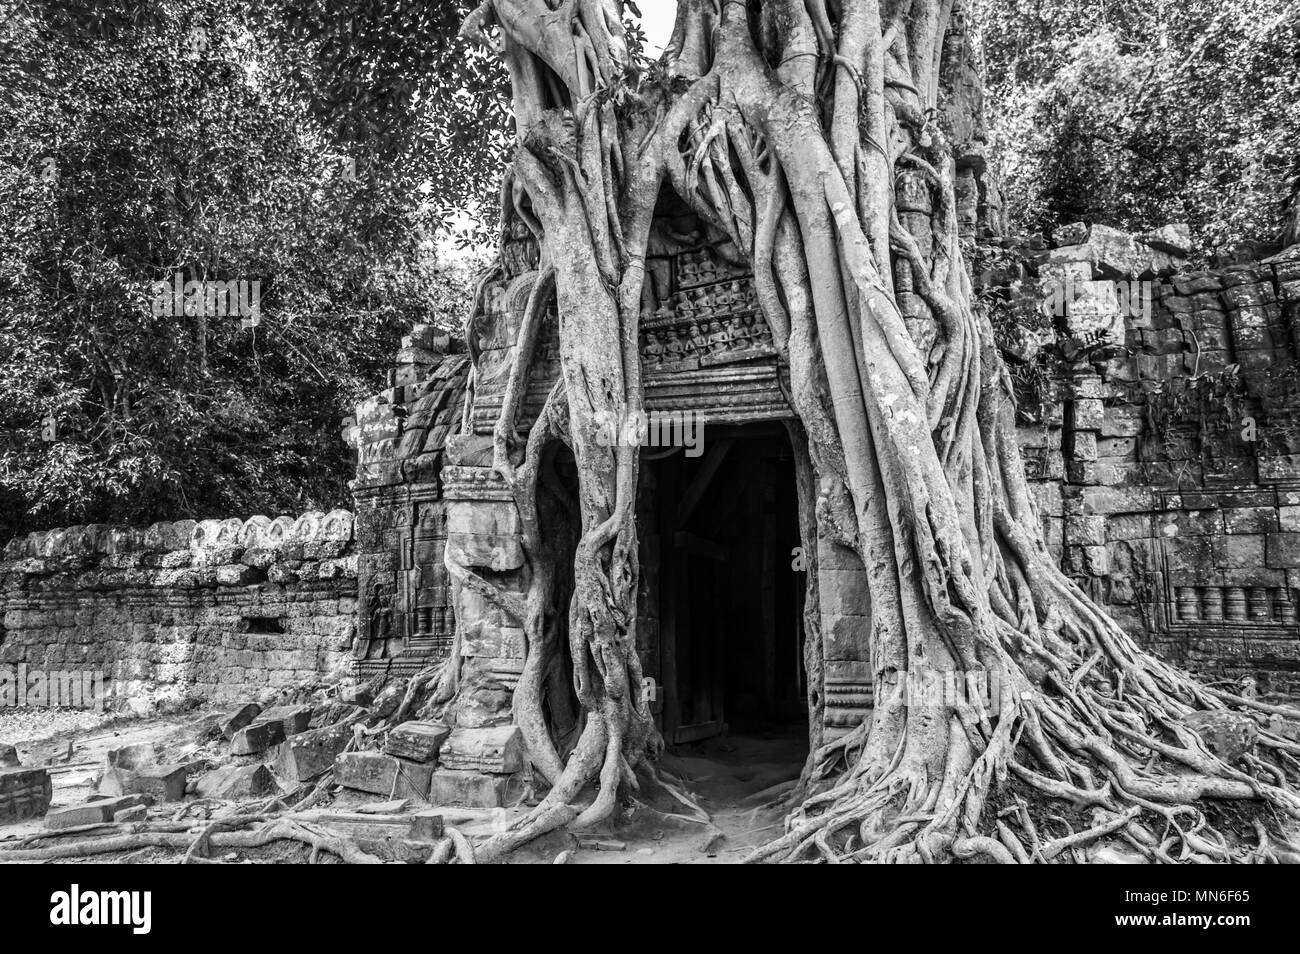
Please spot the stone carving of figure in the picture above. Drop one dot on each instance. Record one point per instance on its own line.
(685, 306)
(719, 339)
(705, 303)
(654, 349)
(741, 329)
(689, 272)
(727, 298)
(698, 341)
(674, 349)
(519, 252)
(381, 639)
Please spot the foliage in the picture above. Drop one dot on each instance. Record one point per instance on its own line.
(1140, 114)
(150, 139)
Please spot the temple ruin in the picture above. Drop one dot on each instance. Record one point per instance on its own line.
(1159, 418)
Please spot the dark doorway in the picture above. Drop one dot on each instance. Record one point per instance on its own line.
(719, 537)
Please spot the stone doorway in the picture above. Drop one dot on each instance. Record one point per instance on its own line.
(721, 615)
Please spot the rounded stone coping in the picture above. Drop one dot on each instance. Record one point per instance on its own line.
(315, 526)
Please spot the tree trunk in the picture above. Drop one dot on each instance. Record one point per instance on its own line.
(785, 125)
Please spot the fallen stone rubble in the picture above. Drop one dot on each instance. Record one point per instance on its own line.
(338, 768)
(358, 774)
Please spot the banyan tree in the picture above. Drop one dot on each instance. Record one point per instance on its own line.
(811, 141)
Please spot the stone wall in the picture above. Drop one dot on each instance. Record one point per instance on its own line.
(1162, 435)
(219, 609)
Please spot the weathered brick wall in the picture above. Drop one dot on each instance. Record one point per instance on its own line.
(220, 609)
(1165, 452)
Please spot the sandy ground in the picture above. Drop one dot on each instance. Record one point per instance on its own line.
(723, 775)
(74, 745)
(21, 727)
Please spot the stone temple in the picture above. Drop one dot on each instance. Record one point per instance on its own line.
(1162, 434)
(1159, 417)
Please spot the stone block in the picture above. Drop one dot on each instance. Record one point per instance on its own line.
(1073, 233)
(1116, 500)
(236, 782)
(1250, 520)
(383, 774)
(133, 814)
(472, 789)
(844, 592)
(256, 738)
(1095, 560)
(9, 755)
(132, 757)
(93, 813)
(1116, 449)
(24, 793)
(1283, 550)
(1188, 523)
(498, 552)
(846, 632)
(1083, 446)
(236, 574)
(427, 825)
(1253, 575)
(115, 781)
(1281, 467)
(292, 719)
(1189, 556)
(1289, 519)
(1087, 414)
(236, 719)
(1174, 238)
(1088, 530)
(1122, 421)
(499, 751)
(164, 783)
(417, 741)
(362, 695)
(309, 754)
(1242, 550)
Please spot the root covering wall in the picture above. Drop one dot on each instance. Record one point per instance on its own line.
(1162, 436)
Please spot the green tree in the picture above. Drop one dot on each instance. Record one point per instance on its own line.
(784, 126)
(151, 140)
(1145, 113)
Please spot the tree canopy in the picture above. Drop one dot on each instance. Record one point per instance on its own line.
(1139, 114)
(219, 141)
(318, 146)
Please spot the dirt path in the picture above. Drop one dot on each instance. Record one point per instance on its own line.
(724, 776)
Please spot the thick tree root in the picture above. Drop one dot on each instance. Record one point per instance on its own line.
(213, 837)
(790, 128)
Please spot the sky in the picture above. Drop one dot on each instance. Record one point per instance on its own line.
(657, 18)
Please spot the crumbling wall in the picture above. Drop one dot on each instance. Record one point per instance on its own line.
(218, 608)
(406, 616)
(1162, 436)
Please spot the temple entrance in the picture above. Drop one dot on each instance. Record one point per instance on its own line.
(719, 588)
